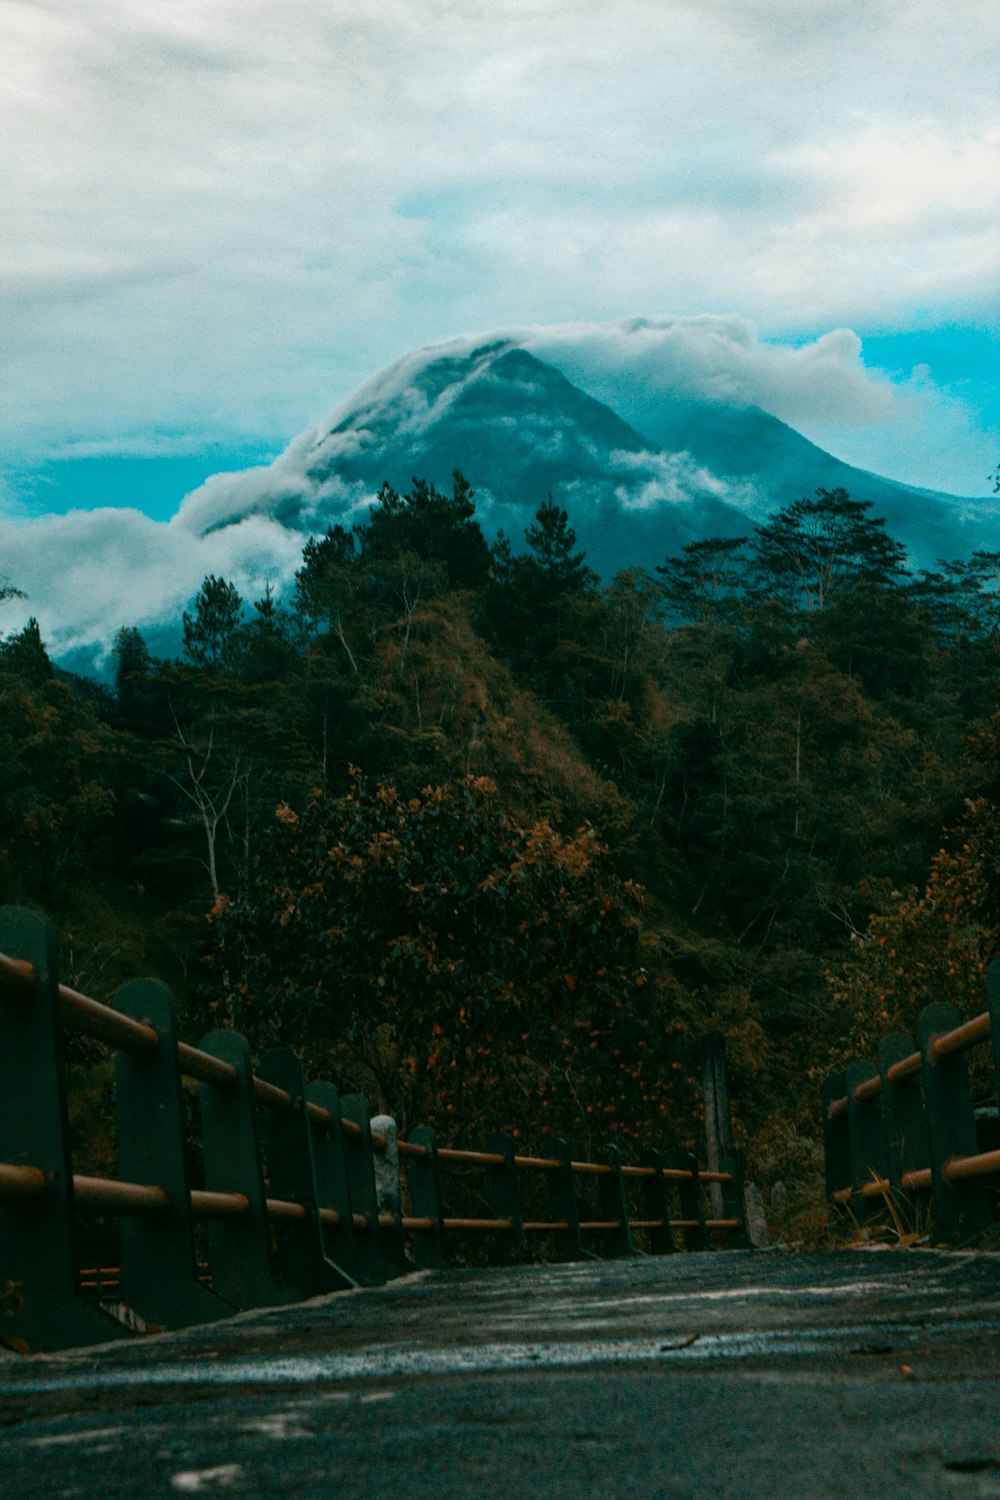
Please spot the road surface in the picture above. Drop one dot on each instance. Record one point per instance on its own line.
(736, 1374)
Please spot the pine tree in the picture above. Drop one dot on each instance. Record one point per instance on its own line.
(210, 634)
(815, 548)
(550, 542)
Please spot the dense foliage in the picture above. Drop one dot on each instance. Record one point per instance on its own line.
(767, 735)
(467, 967)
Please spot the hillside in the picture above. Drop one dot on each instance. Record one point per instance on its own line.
(463, 822)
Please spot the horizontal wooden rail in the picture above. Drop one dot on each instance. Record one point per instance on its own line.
(100, 1195)
(19, 1183)
(550, 1164)
(471, 1158)
(129, 1199)
(205, 1205)
(959, 1169)
(960, 1039)
(84, 1016)
(983, 1164)
(905, 1068)
(411, 1148)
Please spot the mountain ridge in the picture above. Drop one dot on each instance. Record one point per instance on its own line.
(519, 429)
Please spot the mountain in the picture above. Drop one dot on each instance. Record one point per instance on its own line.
(518, 429)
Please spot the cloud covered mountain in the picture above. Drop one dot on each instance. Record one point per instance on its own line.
(663, 447)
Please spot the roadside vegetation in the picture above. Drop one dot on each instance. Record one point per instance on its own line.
(496, 842)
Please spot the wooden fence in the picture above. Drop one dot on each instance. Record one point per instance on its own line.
(303, 1192)
(905, 1131)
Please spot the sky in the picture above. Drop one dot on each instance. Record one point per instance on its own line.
(217, 221)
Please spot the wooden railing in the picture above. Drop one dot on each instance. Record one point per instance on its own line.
(303, 1192)
(905, 1129)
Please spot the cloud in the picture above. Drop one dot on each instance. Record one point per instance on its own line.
(88, 573)
(636, 364)
(217, 217)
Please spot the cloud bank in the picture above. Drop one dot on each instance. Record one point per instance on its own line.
(88, 573)
(213, 217)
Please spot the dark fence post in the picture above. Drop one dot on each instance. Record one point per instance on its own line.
(505, 1188)
(614, 1204)
(375, 1265)
(904, 1119)
(656, 1197)
(692, 1207)
(726, 1197)
(333, 1186)
(288, 1140)
(239, 1250)
(427, 1245)
(38, 1239)
(718, 1124)
(563, 1203)
(159, 1268)
(734, 1202)
(869, 1157)
(960, 1208)
(992, 985)
(836, 1140)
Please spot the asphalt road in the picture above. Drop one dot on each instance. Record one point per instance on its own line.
(738, 1374)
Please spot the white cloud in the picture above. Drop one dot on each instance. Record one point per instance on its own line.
(635, 364)
(218, 217)
(87, 573)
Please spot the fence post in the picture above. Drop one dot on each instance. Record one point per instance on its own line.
(836, 1140)
(159, 1269)
(904, 1119)
(992, 984)
(505, 1189)
(692, 1207)
(375, 1265)
(288, 1140)
(718, 1124)
(656, 1197)
(333, 1184)
(734, 1201)
(563, 1202)
(867, 1146)
(614, 1205)
(426, 1245)
(239, 1250)
(960, 1208)
(38, 1239)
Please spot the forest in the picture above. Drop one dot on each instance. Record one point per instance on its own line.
(496, 842)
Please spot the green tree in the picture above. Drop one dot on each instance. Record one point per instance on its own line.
(57, 792)
(24, 653)
(706, 581)
(814, 548)
(438, 529)
(211, 634)
(551, 540)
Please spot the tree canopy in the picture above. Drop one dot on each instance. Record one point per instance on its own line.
(481, 757)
